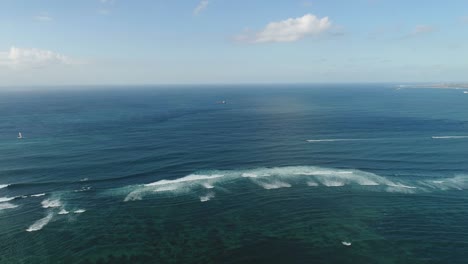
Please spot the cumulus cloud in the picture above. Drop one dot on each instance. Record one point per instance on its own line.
(200, 7)
(31, 58)
(289, 30)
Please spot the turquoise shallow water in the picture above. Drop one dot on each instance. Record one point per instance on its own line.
(279, 174)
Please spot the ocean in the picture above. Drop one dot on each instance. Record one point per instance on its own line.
(331, 173)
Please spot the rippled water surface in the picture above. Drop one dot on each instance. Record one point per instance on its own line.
(278, 174)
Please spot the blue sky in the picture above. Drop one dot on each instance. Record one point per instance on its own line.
(56, 42)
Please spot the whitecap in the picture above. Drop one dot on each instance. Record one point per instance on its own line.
(79, 211)
(274, 185)
(63, 212)
(312, 184)
(208, 185)
(38, 195)
(189, 178)
(6, 199)
(39, 224)
(166, 188)
(3, 186)
(4, 206)
(207, 197)
(51, 203)
(249, 175)
(345, 243)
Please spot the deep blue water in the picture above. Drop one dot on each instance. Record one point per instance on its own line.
(278, 174)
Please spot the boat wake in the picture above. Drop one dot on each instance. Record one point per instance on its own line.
(449, 137)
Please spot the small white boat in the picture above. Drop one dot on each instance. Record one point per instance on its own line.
(345, 243)
(20, 136)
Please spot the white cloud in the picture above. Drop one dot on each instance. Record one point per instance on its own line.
(19, 58)
(43, 18)
(200, 7)
(289, 30)
(420, 30)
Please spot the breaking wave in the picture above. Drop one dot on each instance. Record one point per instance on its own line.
(286, 177)
(4, 206)
(207, 197)
(39, 224)
(3, 186)
(38, 195)
(51, 203)
(63, 212)
(6, 199)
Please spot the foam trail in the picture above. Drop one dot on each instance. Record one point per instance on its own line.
(4, 206)
(39, 224)
(50, 203)
(38, 195)
(449, 137)
(3, 186)
(332, 140)
(207, 197)
(6, 199)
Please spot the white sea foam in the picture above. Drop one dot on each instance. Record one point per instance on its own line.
(332, 140)
(63, 212)
(207, 197)
(282, 177)
(459, 182)
(208, 185)
(177, 185)
(449, 137)
(4, 206)
(39, 224)
(312, 184)
(189, 178)
(274, 185)
(249, 175)
(6, 199)
(345, 243)
(3, 186)
(38, 195)
(83, 189)
(51, 203)
(79, 211)
(168, 188)
(333, 183)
